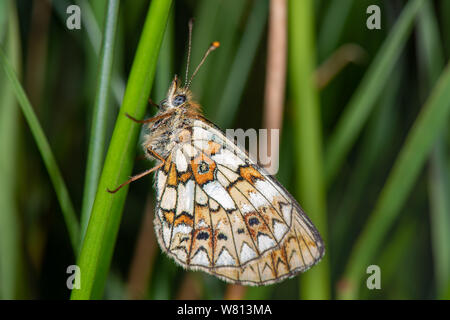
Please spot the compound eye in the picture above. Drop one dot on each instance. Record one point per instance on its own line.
(179, 100)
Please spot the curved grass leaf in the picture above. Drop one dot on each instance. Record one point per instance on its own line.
(46, 153)
(420, 140)
(96, 253)
(363, 100)
(242, 63)
(431, 58)
(99, 118)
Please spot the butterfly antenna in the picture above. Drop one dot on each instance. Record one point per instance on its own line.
(190, 25)
(211, 48)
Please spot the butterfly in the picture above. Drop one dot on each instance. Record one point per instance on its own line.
(216, 210)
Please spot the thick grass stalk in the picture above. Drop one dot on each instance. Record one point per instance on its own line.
(46, 153)
(99, 117)
(146, 251)
(99, 242)
(11, 267)
(363, 100)
(315, 284)
(420, 140)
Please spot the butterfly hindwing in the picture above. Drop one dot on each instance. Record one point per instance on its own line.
(219, 212)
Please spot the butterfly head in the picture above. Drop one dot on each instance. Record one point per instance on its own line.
(177, 96)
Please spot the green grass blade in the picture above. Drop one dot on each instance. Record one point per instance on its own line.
(98, 246)
(363, 100)
(443, 7)
(11, 271)
(432, 57)
(439, 191)
(94, 37)
(216, 21)
(377, 136)
(314, 283)
(332, 27)
(99, 118)
(90, 24)
(240, 69)
(400, 245)
(420, 140)
(46, 153)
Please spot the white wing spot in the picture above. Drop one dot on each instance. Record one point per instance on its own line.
(225, 259)
(223, 181)
(161, 182)
(265, 242)
(190, 151)
(200, 196)
(279, 230)
(257, 199)
(200, 258)
(182, 228)
(186, 197)
(215, 190)
(231, 175)
(247, 253)
(181, 162)
(213, 205)
(246, 208)
(286, 209)
(201, 134)
(267, 189)
(169, 198)
(166, 234)
(229, 159)
(202, 144)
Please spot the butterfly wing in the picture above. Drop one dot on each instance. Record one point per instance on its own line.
(218, 212)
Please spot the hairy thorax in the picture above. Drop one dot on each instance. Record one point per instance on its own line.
(164, 135)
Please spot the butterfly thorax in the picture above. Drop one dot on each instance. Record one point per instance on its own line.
(175, 117)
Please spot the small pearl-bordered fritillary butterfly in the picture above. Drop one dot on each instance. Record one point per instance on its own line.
(217, 211)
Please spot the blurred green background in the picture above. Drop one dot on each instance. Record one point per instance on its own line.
(364, 143)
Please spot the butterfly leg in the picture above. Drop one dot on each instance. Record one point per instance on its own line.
(142, 174)
(153, 119)
(151, 102)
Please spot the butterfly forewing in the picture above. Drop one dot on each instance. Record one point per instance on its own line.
(218, 211)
